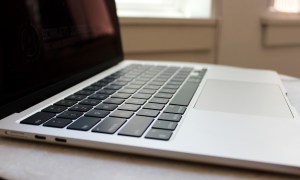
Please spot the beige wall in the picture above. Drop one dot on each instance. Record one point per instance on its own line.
(238, 37)
(241, 41)
(169, 39)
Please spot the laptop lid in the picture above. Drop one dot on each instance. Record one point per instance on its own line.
(48, 46)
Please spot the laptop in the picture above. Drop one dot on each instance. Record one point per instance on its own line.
(64, 80)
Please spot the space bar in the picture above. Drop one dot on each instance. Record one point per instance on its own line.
(185, 94)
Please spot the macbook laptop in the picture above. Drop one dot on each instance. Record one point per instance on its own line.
(63, 80)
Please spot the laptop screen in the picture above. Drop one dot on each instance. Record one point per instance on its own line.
(49, 45)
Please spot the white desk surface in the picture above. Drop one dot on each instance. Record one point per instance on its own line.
(30, 160)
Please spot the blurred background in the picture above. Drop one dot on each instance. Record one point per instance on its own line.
(250, 33)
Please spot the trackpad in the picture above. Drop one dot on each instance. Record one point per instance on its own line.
(243, 98)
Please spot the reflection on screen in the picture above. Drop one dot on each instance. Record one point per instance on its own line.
(87, 20)
(46, 41)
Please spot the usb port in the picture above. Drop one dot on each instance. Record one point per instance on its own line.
(40, 137)
(60, 140)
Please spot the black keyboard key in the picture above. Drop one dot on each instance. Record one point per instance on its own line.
(170, 117)
(163, 95)
(129, 107)
(38, 118)
(97, 113)
(70, 115)
(136, 126)
(156, 83)
(106, 91)
(152, 87)
(168, 86)
(114, 101)
(127, 91)
(92, 88)
(185, 94)
(66, 103)
(121, 114)
(159, 134)
(167, 125)
(139, 82)
(154, 106)
(136, 101)
(109, 79)
(81, 108)
(126, 79)
(107, 107)
(84, 92)
(174, 83)
(181, 75)
(175, 109)
(133, 86)
(84, 123)
(147, 91)
(159, 100)
(178, 79)
(121, 95)
(76, 97)
(100, 84)
(91, 102)
(57, 123)
(169, 91)
(194, 79)
(110, 125)
(54, 109)
(133, 74)
(112, 87)
(98, 96)
(148, 112)
(161, 79)
(119, 83)
(141, 96)
(143, 79)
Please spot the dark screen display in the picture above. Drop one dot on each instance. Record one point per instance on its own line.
(48, 45)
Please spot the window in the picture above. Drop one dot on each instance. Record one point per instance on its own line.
(286, 6)
(165, 8)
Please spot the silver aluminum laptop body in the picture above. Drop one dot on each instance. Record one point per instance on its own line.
(237, 117)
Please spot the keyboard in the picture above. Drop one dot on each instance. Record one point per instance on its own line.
(144, 101)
